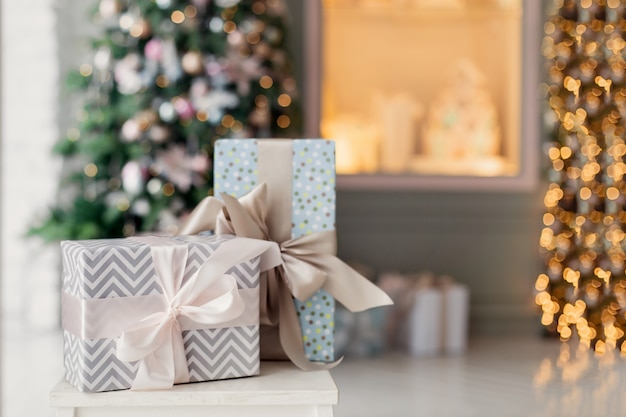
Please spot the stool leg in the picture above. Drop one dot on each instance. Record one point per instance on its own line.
(325, 411)
(66, 412)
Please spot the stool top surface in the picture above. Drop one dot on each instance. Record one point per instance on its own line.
(279, 383)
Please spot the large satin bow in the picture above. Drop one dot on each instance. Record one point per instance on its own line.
(308, 264)
(208, 297)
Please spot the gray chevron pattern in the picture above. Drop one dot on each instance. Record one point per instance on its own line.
(107, 268)
(222, 353)
(247, 273)
(123, 268)
(91, 365)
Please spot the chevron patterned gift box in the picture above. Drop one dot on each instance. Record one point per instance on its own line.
(106, 282)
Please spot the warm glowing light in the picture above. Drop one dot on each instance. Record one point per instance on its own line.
(168, 189)
(284, 100)
(230, 26)
(612, 193)
(571, 276)
(137, 29)
(572, 85)
(91, 170)
(547, 319)
(237, 127)
(266, 81)
(600, 347)
(253, 38)
(548, 219)
(602, 274)
(542, 282)
(202, 116)
(283, 121)
(604, 83)
(228, 121)
(162, 81)
(123, 204)
(177, 17)
(258, 7)
(585, 193)
(191, 11)
(542, 298)
(261, 101)
(554, 153)
(558, 165)
(85, 70)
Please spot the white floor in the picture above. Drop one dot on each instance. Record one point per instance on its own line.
(530, 377)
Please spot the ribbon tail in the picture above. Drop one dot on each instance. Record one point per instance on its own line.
(202, 218)
(164, 367)
(290, 334)
(181, 369)
(350, 288)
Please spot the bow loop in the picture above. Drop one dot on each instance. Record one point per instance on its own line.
(245, 218)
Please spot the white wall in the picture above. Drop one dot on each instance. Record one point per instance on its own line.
(29, 273)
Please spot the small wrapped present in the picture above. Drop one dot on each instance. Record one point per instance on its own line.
(283, 190)
(149, 312)
(430, 315)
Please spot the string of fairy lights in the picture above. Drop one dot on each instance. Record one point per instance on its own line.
(582, 292)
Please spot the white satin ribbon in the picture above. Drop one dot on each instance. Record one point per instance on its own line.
(208, 297)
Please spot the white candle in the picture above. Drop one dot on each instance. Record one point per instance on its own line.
(397, 115)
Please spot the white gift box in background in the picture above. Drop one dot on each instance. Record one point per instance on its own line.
(424, 324)
(456, 317)
(430, 315)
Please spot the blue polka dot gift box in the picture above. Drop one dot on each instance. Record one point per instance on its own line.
(283, 190)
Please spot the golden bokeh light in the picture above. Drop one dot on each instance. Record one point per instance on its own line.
(91, 170)
(283, 121)
(177, 16)
(266, 81)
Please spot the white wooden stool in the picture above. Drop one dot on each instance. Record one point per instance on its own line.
(282, 390)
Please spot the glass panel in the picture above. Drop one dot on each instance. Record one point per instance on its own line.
(423, 86)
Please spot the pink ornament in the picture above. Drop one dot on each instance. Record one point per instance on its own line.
(199, 163)
(154, 50)
(184, 108)
(213, 68)
(181, 169)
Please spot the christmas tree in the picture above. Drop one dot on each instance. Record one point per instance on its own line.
(165, 80)
(583, 291)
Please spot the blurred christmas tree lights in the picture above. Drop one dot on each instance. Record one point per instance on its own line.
(583, 291)
(165, 80)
